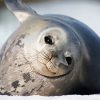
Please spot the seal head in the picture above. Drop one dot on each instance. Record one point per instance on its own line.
(53, 53)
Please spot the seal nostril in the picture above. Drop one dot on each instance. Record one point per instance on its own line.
(48, 40)
(69, 60)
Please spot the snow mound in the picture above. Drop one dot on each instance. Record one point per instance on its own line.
(67, 97)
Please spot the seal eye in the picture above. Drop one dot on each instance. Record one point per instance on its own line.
(69, 60)
(48, 40)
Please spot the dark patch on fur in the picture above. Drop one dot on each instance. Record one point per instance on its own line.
(33, 80)
(20, 44)
(17, 92)
(2, 88)
(15, 84)
(26, 77)
(26, 94)
(5, 93)
(20, 65)
(23, 86)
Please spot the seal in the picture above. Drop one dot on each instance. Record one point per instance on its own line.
(49, 55)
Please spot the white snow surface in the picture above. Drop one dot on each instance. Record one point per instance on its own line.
(68, 97)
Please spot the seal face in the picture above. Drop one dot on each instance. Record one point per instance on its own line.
(52, 54)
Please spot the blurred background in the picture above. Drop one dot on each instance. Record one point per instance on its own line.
(87, 11)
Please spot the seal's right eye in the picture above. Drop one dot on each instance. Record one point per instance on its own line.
(49, 40)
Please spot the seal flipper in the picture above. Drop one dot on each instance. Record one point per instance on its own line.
(21, 11)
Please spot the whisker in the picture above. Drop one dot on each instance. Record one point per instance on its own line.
(45, 54)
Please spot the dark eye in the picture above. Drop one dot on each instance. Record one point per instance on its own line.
(69, 60)
(48, 40)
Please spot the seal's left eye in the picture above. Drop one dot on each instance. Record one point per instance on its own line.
(49, 40)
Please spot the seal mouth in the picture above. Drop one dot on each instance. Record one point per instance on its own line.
(48, 72)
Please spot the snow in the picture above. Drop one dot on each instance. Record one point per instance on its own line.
(68, 97)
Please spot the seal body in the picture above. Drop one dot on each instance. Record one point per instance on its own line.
(50, 55)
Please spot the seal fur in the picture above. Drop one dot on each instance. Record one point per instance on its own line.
(49, 55)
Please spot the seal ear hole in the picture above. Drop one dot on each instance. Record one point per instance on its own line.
(69, 60)
(49, 40)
